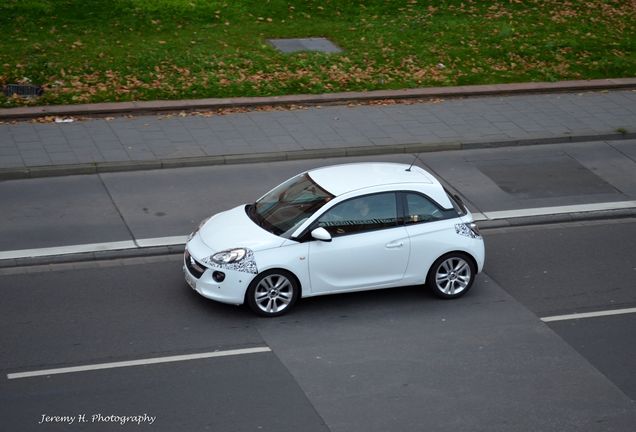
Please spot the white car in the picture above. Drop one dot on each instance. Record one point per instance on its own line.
(333, 230)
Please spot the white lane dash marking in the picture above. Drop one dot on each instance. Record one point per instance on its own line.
(141, 362)
(589, 315)
(162, 241)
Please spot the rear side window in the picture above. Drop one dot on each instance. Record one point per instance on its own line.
(419, 208)
(366, 213)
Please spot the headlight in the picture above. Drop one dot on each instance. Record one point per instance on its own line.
(229, 256)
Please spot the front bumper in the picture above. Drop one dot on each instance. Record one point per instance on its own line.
(199, 277)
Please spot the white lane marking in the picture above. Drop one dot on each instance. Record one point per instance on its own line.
(63, 250)
(179, 240)
(588, 315)
(162, 241)
(140, 362)
(544, 211)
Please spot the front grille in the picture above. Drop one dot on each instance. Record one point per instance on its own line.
(193, 266)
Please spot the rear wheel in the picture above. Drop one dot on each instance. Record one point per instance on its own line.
(272, 293)
(451, 276)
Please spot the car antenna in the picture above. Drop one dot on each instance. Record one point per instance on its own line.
(411, 166)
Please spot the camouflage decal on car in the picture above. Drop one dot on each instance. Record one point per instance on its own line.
(246, 265)
(464, 230)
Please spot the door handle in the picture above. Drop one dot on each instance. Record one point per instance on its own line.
(393, 245)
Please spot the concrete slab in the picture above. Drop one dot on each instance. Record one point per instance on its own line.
(319, 44)
(544, 177)
(57, 211)
(233, 394)
(591, 266)
(602, 342)
(399, 360)
(228, 394)
(612, 162)
(627, 147)
(537, 176)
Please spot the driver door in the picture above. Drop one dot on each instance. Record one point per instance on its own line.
(368, 248)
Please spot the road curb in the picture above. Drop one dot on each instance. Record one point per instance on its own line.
(138, 252)
(279, 156)
(141, 252)
(146, 107)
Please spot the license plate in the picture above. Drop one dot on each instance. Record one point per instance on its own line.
(190, 280)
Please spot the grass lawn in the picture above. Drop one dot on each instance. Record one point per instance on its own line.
(117, 50)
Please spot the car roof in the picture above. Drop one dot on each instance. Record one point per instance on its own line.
(341, 179)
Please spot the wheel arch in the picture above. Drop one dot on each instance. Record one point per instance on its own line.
(271, 269)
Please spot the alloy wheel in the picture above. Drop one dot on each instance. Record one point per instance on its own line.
(273, 293)
(453, 276)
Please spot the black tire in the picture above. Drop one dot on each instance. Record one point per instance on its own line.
(452, 275)
(272, 293)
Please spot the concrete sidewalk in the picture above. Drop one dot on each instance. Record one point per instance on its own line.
(155, 141)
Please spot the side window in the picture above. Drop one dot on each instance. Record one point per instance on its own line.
(421, 209)
(366, 213)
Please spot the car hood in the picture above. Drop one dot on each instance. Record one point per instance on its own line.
(232, 229)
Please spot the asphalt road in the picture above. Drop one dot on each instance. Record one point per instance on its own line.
(51, 212)
(385, 360)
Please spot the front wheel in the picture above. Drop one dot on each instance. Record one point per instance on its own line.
(451, 276)
(272, 293)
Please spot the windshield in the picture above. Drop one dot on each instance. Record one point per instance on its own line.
(282, 210)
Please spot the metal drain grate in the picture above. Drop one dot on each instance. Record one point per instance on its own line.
(24, 90)
(319, 44)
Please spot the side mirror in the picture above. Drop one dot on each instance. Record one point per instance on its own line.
(321, 234)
